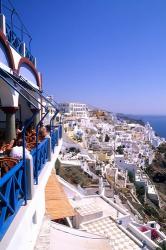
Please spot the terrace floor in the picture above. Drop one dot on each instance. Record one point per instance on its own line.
(108, 228)
(88, 203)
(54, 236)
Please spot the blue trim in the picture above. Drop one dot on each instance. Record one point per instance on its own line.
(17, 43)
(54, 139)
(37, 132)
(60, 131)
(14, 41)
(12, 196)
(52, 120)
(26, 124)
(40, 157)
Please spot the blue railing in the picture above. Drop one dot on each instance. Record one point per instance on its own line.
(12, 196)
(56, 134)
(14, 41)
(40, 157)
(60, 131)
(29, 55)
(54, 139)
(17, 43)
(13, 185)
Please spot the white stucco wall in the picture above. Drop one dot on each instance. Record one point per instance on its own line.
(16, 57)
(3, 55)
(8, 96)
(27, 73)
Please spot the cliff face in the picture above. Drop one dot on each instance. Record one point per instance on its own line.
(157, 173)
(157, 170)
(130, 119)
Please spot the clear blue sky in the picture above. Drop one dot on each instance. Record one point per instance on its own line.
(108, 53)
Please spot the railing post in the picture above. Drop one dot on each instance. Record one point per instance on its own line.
(29, 174)
(23, 49)
(51, 127)
(3, 23)
(26, 124)
(24, 166)
(49, 149)
(36, 160)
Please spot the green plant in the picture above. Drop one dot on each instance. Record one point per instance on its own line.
(120, 150)
(131, 176)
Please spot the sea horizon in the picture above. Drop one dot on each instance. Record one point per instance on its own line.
(158, 122)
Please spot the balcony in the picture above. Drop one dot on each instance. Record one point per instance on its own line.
(17, 187)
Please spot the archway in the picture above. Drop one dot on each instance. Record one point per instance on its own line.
(6, 56)
(29, 72)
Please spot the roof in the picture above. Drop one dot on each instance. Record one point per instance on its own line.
(88, 203)
(108, 228)
(57, 204)
(66, 238)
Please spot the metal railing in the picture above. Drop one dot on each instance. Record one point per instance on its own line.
(60, 131)
(40, 157)
(16, 32)
(17, 43)
(29, 55)
(56, 134)
(54, 138)
(12, 195)
(14, 184)
(13, 39)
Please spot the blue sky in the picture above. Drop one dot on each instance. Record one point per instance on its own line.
(107, 53)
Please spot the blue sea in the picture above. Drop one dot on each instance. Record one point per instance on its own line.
(158, 123)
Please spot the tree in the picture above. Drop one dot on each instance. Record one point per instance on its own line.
(131, 176)
(120, 150)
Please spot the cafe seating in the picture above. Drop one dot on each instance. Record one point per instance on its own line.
(6, 163)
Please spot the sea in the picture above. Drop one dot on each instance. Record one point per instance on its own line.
(158, 123)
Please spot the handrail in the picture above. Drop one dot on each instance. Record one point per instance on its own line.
(15, 81)
(13, 87)
(20, 78)
(26, 124)
(10, 173)
(37, 131)
(36, 90)
(54, 139)
(51, 121)
(42, 149)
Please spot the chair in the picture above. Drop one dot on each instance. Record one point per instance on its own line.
(6, 164)
(30, 145)
(5, 147)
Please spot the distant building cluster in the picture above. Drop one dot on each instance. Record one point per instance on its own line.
(78, 110)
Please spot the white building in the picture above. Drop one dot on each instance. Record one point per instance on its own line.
(123, 165)
(74, 109)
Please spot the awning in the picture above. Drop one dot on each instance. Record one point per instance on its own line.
(57, 204)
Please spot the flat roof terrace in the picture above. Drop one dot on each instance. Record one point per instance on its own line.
(108, 228)
(92, 203)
